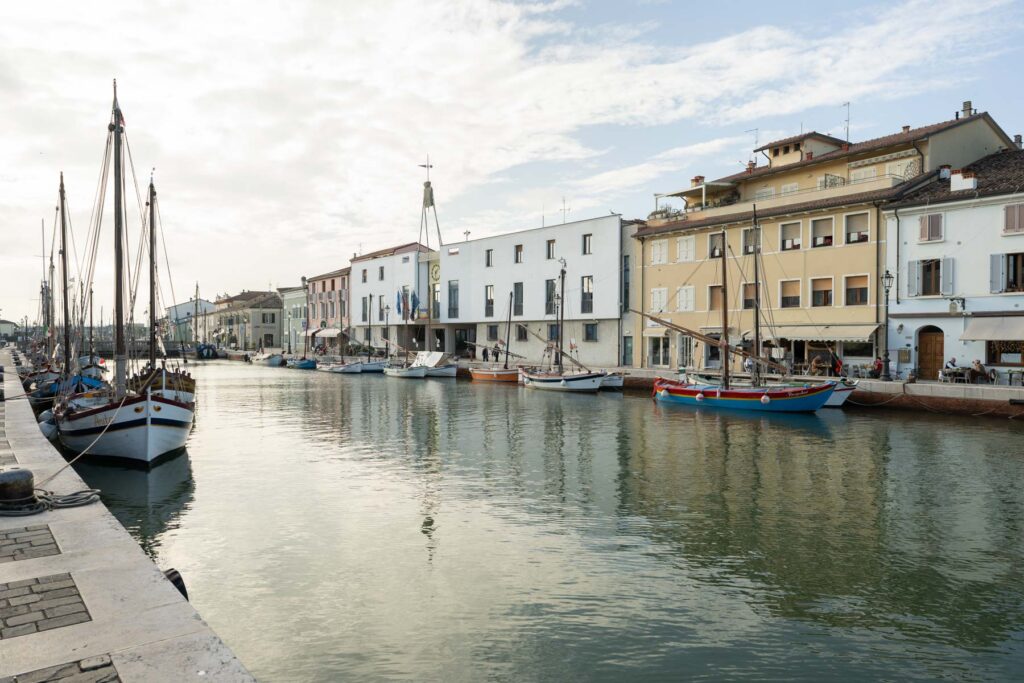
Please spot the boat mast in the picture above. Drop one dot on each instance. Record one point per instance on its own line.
(369, 328)
(561, 314)
(723, 352)
(508, 329)
(305, 339)
(64, 279)
(755, 372)
(195, 317)
(152, 275)
(120, 350)
(91, 346)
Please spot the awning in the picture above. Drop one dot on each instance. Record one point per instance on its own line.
(329, 332)
(655, 332)
(311, 332)
(850, 333)
(995, 328)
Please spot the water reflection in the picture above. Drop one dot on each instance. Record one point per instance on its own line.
(377, 528)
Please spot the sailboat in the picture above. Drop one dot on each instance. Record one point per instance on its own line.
(560, 380)
(503, 373)
(395, 368)
(143, 425)
(752, 396)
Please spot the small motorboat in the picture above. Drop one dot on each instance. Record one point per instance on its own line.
(302, 364)
(405, 371)
(613, 381)
(510, 375)
(563, 381)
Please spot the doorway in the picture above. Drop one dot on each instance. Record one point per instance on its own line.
(930, 352)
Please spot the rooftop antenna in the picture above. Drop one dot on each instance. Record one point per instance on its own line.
(847, 105)
(756, 132)
(428, 205)
(565, 210)
(466, 233)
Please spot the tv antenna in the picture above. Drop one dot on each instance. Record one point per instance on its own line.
(847, 105)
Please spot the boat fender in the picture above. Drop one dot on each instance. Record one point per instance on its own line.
(700, 397)
(174, 576)
(765, 399)
(563, 382)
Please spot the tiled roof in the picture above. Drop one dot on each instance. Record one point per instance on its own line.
(998, 173)
(390, 251)
(855, 148)
(243, 296)
(333, 273)
(886, 194)
(800, 138)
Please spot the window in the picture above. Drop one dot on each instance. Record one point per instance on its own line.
(366, 335)
(857, 290)
(489, 258)
(549, 297)
(821, 232)
(380, 309)
(588, 244)
(930, 227)
(386, 332)
(323, 310)
(366, 308)
(517, 298)
(519, 253)
(685, 298)
(796, 146)
(764, 193)
(268, 318)
(685, 351)
(821, 292)
(587, 294)
(625, 282)
(1013, 218)
(716, 244)
(590, 332)
(659, 299)
(749, 295)
(627, 352)
(905, 168)
(364, 274)
(330, 309)
(790, 188)
(685, 251)
(789, 293)
(790, 236)
(856, 228)
(333, 283)
(492, 333)
(552, 331)
(658, 355)
(859, 175)
(715, 298)
(785, 149)
(659, 252)
(453, 251)
(405, 259)
(489, 301)
(930, 277)
(521, 333)
(829, 180)
(748, 240)
(380, 272)
(453, 298)
(550, 249)
(435, 295)
(1004, 353)
(775, 151)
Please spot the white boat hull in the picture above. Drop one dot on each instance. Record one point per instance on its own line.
(412, 372)
(373, 366)
(582, 382)
(613, 380)
(348, 368)
(142, 430)
(443, 371)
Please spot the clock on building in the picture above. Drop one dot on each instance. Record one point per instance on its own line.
(435, 272)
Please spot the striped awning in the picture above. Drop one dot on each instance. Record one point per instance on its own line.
(850, 333)
(329, 333)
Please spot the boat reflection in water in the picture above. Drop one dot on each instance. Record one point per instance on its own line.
(147, 503)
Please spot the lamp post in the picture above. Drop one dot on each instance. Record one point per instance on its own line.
(887, 279)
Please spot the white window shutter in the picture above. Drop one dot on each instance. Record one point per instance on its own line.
(935, 226)
(685, 249)
(997, 273)
(1010, 218)
(684, 298)
(947, 276)
(923, 228)
(914, 276)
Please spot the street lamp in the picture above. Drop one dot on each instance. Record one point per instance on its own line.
(887, 280)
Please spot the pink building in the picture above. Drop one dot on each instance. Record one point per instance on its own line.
(329, 308)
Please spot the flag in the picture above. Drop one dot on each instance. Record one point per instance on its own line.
(398, 302)
(405, 305)
(413, 314)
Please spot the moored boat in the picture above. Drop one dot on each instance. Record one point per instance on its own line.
(302, 363)
(563, 381)
(405, 371)
(497, 374)
(613, 380)
(778, 398)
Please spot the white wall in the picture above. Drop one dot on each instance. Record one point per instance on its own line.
(400, 270)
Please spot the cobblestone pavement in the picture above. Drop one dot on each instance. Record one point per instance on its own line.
(91, 670)
(24, 543)
(40, 604)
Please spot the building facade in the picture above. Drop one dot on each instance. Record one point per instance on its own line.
(957, 258)
(179, 319)
(247, 321)
(481, 281)
(329, 309)
(813, 218)
(293, 317)
(388, 296)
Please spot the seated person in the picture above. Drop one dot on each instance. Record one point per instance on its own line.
(817, 366)
(876, 368)
(951, 364)
(978, 373)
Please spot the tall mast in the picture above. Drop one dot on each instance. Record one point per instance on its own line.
(305, 341)
(91, 346)
(508, 329)
(561, 314)
(64, 278)
(120, 350)
(152, 275)
(195, 317)
(756, 369)
(369, 328)
(723, 351)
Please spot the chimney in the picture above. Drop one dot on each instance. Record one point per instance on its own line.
(697, 181)
(962, 180)
(967, 109)
(751, 165)
(906, 129)
(809, 155)
(1017, 141)
(945, 171)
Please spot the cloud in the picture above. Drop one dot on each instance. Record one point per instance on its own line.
(285, 136)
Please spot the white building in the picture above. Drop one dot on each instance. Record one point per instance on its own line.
(293, 305)
(481, 279)
(956, 248)
(378, 282)
(179, 319)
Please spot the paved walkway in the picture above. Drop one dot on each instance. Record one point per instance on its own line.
(79, 599)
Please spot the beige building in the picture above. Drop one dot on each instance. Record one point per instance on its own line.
(818, 202)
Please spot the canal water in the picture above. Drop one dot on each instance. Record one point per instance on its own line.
(336, 527)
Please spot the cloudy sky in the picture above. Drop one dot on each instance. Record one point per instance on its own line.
(287, 135)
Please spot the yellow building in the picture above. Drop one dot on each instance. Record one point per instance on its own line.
(818, 203)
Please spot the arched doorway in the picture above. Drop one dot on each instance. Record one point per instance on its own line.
(930, 352)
